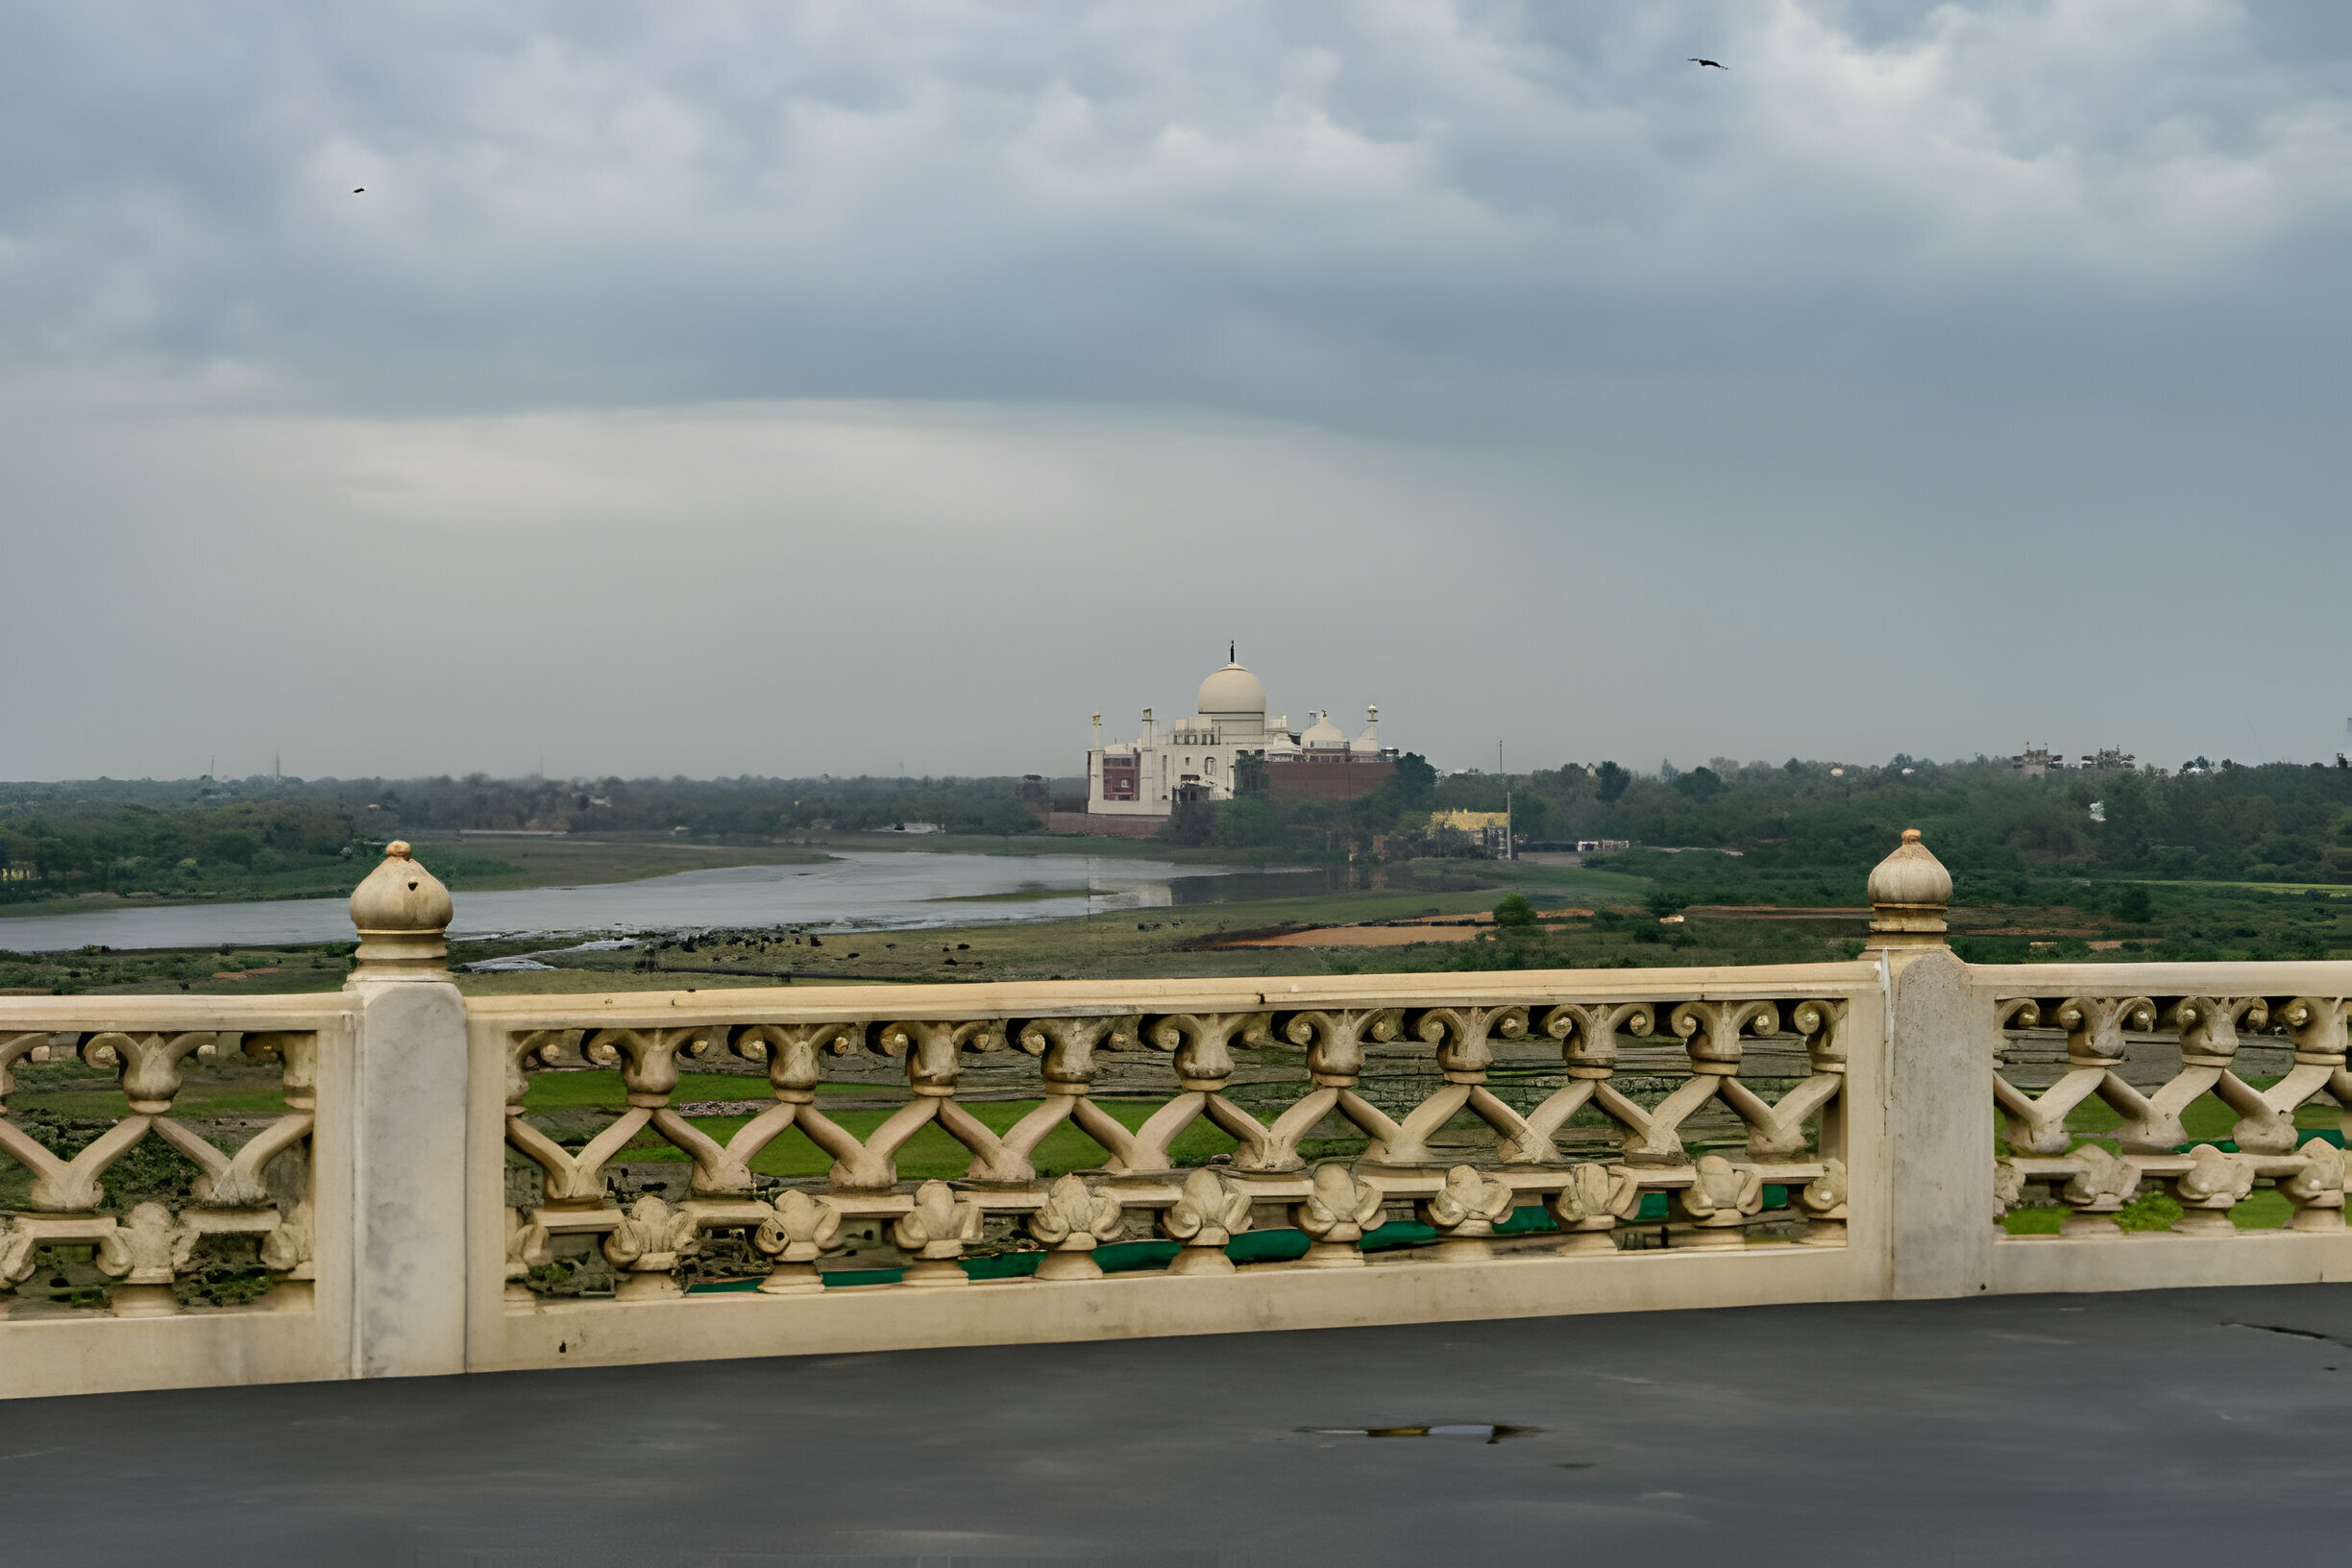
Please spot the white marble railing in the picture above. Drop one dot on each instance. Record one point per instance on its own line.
(394, 1197)
(1063, 1034)
(2189, 1032)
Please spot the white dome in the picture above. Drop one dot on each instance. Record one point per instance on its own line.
(1232, 691)
(1323, 734)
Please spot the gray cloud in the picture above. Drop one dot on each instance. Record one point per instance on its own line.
(1933, 376)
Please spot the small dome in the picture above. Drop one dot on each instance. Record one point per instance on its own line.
(1231, 692)
(1323, 735)
(400, 912)
(400, 896)
(1910, 888)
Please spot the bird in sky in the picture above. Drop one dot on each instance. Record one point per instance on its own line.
(1717, 63)
(360, 190)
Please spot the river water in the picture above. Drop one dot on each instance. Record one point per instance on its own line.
(857, 889)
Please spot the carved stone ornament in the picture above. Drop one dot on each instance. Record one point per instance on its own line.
(2209, 1189)
(146, 1253)
(1596, 1198)
(2317, 1189)
(1465, 1213)
(289, 1250)
(800, 1231)
(2008, 1188)
(528, 1247)
(2102, 1183)
(1338, 1212)
(647, 1246)
(402, 913)
(1071, 1222)
(1206, 1219)
(935, 1230)
(1720, 1196)
(1824, 1203)
(19, 1251)
(1910, 894)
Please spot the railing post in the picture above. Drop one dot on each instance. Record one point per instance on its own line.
(408, 1293)
(1939, 1085)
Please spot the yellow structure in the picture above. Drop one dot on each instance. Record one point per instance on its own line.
(1490, 828)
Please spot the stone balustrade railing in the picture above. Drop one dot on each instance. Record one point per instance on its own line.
(2203, 1032)
(1135, 1157)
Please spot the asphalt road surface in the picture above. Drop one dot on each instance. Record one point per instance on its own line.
(2175, 1427)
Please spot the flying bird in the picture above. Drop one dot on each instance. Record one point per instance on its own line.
(361, 191)
(1717, 63)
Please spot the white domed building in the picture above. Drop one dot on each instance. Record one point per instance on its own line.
(1195, 758)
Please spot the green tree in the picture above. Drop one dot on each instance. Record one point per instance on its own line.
(1249, 775)
(1613, 781)
(1415, 779)
(1701, 784)
(1192, 823)
(2133, 907)
(1515, 912)
(1245, 825)
(232, 846)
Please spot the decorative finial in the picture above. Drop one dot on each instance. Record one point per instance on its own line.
(402, 913)
(1231, 653)
(1910, 893)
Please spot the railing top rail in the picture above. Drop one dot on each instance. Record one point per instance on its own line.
(2299, 977)
(1253, 993)
(133, 1014)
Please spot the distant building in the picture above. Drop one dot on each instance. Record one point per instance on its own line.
(1219, 750)
(1490, 829)
(2040, 762)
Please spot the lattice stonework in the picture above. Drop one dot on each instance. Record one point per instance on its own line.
(1712, 1198)
(146, 1250)
(2152, 1145)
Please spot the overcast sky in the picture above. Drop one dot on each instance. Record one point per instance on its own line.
(706, 389)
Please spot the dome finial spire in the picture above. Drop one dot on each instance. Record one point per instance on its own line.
(1233, 654)
(1909, 893)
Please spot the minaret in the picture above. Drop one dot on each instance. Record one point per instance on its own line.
(1098, 732)
(1149, 738)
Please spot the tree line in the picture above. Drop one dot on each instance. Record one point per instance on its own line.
(2272, 822)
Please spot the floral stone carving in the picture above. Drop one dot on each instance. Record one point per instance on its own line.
(1206, 1218)
(1465, 1213)
(647, 1246)
(935, 1230)
(528, 1247)
(2104, 1183)
(1338, 1212)
(146, 1253)
(1071, 1222)
(1719, 1199)
(2317, 1189)
(801, 1230)
(1823, 1202)
(1596, 1198)
(2209, 1189)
